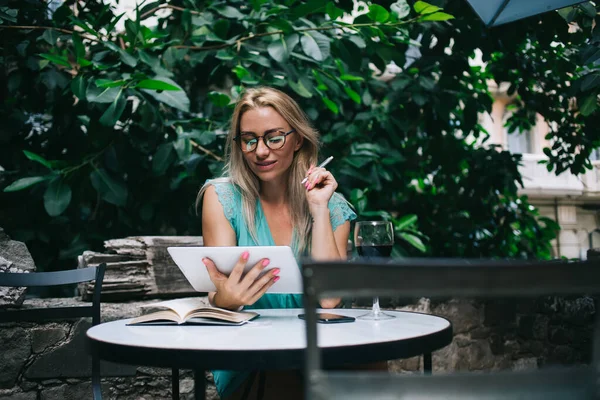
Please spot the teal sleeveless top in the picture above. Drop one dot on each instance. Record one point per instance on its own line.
(231, 200)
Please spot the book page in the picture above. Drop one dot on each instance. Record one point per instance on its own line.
(183, 307)
(224, 315)
(166, 315)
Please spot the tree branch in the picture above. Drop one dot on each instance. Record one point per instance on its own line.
(299, 30)
(51, 28)
(206, 151)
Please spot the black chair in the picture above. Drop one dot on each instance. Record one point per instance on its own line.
(8, 279)
(446, 278)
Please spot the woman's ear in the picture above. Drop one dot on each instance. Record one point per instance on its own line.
(299, 142)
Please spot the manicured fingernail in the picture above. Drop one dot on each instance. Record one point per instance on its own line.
(276, 271)
(265, 262)
(275, 279)
(245, 255)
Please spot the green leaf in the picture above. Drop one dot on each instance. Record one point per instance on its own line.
(78, 46)
(422, 7)
(316, 45)
(333, 11)
(219, 99)
(95, 94)
(589, 105)
(114, 111)
(162, 159)
(438, 16)
(331, 105)
(378, 13)
(347, 77)
(299, 88)
(125, 57)
(155, 84)
(107, 83)
(51, 36)
(176, 99)
(310, 47)
(24, 183)
(37, 158)
(110, 190)
(60, 60)
(229, 12)
(405, 222)
(352, 94)
(183, 148)
(400, 9)
(589, 9)
(278, 50)
(358, 41)
(57, 197)
(590, 81)
(413, 241)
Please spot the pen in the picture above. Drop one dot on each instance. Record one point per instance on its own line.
(322, 165)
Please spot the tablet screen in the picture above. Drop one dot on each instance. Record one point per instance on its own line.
(189, 261)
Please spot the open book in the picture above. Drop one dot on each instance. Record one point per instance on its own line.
(191, 311)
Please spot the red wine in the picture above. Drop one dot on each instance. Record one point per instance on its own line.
(374, 251)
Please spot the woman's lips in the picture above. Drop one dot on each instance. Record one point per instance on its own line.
(265, 165)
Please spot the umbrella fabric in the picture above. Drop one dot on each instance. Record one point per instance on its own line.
(498, 12)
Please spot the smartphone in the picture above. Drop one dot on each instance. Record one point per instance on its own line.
(327, 318)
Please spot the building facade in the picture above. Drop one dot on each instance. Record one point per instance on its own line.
(573, 201)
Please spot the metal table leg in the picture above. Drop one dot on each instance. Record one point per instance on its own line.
(175, 383)
(199, 385)
(427, 363)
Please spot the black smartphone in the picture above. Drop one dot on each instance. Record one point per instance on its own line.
(327, 318)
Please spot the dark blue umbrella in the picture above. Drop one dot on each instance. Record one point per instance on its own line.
(498, 12)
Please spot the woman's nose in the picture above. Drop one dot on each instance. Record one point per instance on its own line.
(261, 149)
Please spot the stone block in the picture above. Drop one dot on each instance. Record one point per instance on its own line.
(463, 314)
(500, 312)
(71, 359)
(422, 305)
(533, 326)
(19, 396)
(523, 364)
(79, 391)
(412, 364)
(16, 348)
(47, 336)
(14, 257)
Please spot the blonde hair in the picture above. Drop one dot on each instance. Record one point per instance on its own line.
(237, 172)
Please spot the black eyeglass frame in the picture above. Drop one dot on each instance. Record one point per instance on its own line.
(284, 134)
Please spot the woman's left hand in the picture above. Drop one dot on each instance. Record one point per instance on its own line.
(320, 186)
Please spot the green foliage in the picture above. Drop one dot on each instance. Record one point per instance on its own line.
(110, 131)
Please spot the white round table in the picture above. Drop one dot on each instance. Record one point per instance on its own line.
(276, 340)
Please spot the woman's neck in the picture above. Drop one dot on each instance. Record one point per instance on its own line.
(274, 192)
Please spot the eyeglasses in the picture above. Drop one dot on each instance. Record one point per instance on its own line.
(273, 140)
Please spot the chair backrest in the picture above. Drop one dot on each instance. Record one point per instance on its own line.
(435, 278)
(11, 279)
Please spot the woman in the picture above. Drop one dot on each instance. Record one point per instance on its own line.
(261, 201)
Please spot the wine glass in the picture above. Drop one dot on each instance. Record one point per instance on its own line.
(374, 239)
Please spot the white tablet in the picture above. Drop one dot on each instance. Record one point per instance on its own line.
(189, 261)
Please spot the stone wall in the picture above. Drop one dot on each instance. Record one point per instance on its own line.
(510, 334)
(48, 361)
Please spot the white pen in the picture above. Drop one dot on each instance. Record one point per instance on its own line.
(322, 165)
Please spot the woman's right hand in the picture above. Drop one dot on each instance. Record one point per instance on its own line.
(237, 289)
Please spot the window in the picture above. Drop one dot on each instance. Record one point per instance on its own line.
(519, 142)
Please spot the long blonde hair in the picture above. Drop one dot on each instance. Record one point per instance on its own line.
(237, 172)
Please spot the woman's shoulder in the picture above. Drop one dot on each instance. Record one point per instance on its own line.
(340, 210)
(338, 199)
(227, 193)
